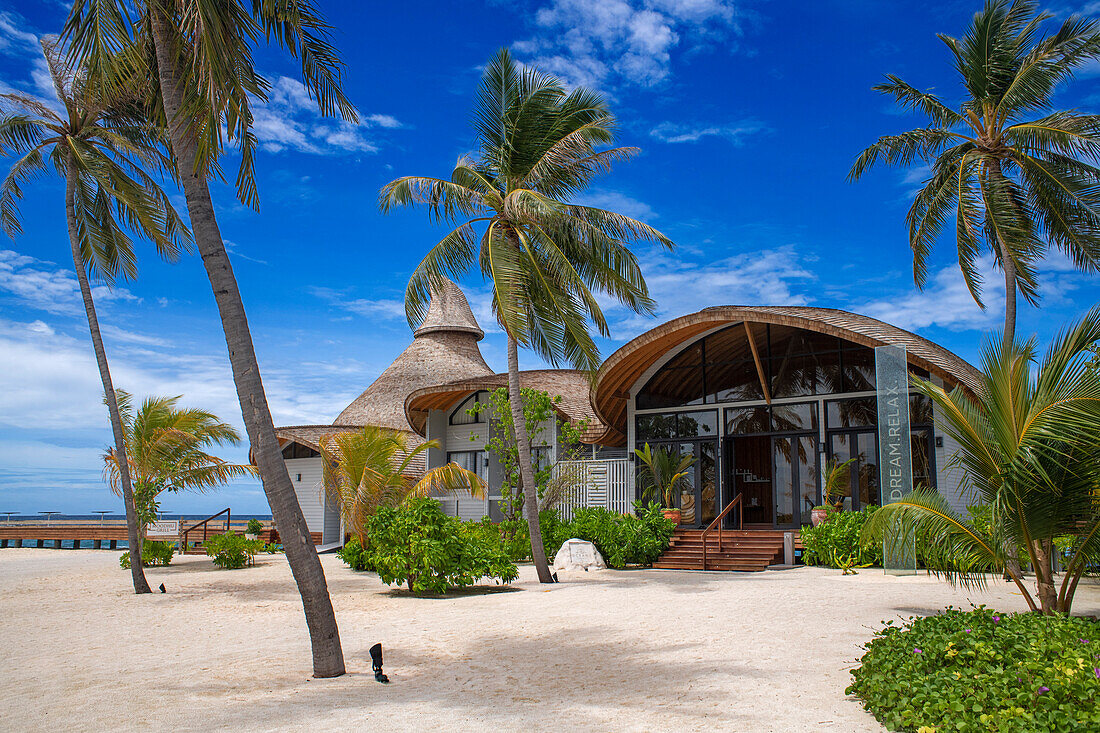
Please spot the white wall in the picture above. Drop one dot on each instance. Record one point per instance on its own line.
(308, 489)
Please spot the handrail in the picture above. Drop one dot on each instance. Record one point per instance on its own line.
(202, 523)
(718, 521)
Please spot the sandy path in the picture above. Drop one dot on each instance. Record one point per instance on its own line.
(637, 650)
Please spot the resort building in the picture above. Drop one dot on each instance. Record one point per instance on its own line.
(762, 397)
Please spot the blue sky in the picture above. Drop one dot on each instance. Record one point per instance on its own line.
(748, 116)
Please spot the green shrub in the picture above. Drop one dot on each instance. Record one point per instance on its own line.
(983, 671)
(622, 539)
(353, 555)
(835, 542)
(255, 526)
(232, 551)
(417, 544)
(153, 553)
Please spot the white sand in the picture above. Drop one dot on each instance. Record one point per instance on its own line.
(636, 650)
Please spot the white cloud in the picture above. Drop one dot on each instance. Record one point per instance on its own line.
(620, 203)
(38, 284)
(13, 38)
(290, 120)
(592, 42)
(674, 132)
(383, 308)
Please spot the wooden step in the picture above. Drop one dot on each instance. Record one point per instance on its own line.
(740, 550)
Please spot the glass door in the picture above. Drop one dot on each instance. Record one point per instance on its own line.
(750, 475)
(699, 493)
(796, 479)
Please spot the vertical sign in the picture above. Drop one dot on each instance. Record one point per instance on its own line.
(895, 458)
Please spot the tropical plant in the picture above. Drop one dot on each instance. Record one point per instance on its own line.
(1017, 175)
(982, 670)
(1029, 448)
(834, 542)
(417, 544)
(255, 526)
(838, 482)
(539, 412)
(537, 149)
(153, 553)
(197, 55)
(372, 468)
(232, 551)
(663, 472)
(167, 451)
(108, 154)
(622, 539)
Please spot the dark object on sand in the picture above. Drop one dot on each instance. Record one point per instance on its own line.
(162, 590)
(376, 658)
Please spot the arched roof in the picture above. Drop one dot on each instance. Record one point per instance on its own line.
(571, 385)
(621, 370)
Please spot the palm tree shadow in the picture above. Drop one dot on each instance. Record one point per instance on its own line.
(470, 591)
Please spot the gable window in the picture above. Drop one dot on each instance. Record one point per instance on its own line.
(297, 450)
(461, 414)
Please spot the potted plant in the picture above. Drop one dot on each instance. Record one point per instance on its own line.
(663, 473)
(255, 527)
(838, 477)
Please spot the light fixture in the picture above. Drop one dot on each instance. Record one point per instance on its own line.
(299, 477)
(376, 659)
(939, 441)
(821, 447)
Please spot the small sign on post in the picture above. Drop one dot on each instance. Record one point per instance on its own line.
(164, 529)
(895, 452)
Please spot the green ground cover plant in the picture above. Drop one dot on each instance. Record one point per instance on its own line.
(982, 670)
(232, 551)
(153, 553)
(418, 545)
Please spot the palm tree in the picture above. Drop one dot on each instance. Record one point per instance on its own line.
(1017, 184)
(101, 147)
(1029, 448)
(198, 56)
(537, 148)
(371, 468)
(167, 451)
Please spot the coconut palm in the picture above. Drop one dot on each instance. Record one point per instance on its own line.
(663, 472)
(372, 468)
(1029, 448)
(102, 148)
(1017, 175)
(198, 56)
(167, 451)
(536, 150)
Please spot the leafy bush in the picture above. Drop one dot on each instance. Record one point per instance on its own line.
(354, 555)
(153, 553)
(232, 551)
(255, 526)
(622, 539)
(835, 542)
(417, 544)
(983, 671)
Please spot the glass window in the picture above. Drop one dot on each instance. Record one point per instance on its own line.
(924, 473)
(734, 381)
(746, 420)
(858, 366)
(854, 413)
(802, 416)
(461, 414)
(540, 456)
(297, 450)
(471, 460)
(920, 409)
(697, 424)
(672, 387)
(656, 427)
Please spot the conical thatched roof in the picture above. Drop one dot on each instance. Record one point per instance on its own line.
(444, 349)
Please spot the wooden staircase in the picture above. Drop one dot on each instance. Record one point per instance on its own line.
(747, 551)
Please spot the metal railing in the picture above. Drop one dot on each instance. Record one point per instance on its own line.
(718, 523)
(204, 523)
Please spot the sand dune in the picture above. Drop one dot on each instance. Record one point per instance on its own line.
(635, 650)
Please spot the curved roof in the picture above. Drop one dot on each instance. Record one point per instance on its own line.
(571, 384)
(623, 368)
(444, 348)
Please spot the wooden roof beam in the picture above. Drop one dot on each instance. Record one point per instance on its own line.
(759, 365)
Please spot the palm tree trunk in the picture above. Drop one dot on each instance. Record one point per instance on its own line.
(328, 657)
(133, 531)
(1044, 577)
(1009, 334)
(526, 469)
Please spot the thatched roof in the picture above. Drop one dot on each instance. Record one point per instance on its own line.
(623, 368)
(444, 348)
(571, 385)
